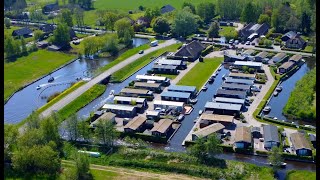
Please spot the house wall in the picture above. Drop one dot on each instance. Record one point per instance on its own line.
(122, 113)
(270, 144)
(165, 98)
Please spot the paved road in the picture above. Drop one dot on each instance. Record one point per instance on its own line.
(73, 95)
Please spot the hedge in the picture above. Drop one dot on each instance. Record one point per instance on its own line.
(295, 157)
(244, 151)
(227, 148)
(145, 137)
(262, 46)
(262, 152)
(207, 50)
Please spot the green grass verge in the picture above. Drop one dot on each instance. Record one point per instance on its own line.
(29, 68)
(60, 96)
(301, 175)
(131, 68)
(201, 72)
(81, 101)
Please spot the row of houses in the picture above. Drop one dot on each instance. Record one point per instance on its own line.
(292, 62)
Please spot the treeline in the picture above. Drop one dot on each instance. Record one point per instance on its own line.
(301, 101)
(15, 48)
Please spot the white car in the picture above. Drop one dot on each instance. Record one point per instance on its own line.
(248, 43)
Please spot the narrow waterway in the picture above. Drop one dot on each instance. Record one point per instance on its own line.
(22, 103)
(278, 102)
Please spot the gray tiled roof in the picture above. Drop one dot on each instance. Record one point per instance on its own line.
(270, 133)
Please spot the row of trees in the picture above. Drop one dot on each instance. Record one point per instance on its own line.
(15, 48)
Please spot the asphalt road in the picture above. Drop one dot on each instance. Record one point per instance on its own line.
(73, 95)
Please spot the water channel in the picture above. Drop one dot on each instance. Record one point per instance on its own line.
(278, 102)
(22, 103)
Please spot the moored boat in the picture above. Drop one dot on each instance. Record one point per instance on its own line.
(279, 88)
(204, 88)
(267, 109)
(275, 93)
(38, 87)
(50, 79)
(283, 164)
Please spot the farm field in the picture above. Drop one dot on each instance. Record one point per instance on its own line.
(201, 72)
(29, 68)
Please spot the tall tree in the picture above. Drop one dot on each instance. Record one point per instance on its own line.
(275, 158)
(61, 35)
(213, 30)
(33, 121)
(84, 130)
(190, 5)
(123, 27)
(184, 24)
(79, 16)
(7, 22)
(293, 23)
(72, 127)
(10, 140)
(105, 132)
(109, 19)
(82, 168)
(24, 50)
(249, 13)
(206, 11)
(161, 25)
(66, 17)
(305, 23)
(37, 34)
(264, 18)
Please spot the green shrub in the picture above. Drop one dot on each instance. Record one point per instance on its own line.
(207, 50)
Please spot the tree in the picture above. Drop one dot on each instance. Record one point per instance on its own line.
(72, 127)
(7, 22)
(50, 132)
(111, 45)
(184, 24)
(37, 35)
(305, 23)
(206, 11)
(249, 13)
(190, 5)
(11, 48)
(109, 19)
(275, 158)
(293, 23)
(206, 149)
(152, 13)
(66, 17)
(38, 159)
(105, 132)
(36, 15)
(86, 4)
(84, 130)
(161, 25)
(264, 18)
(82, 167)
(245, 68)
(61, 35)
(10, 140)
(33, 121)
(141, 8)
(24, 50)
(124, 28)
(213, 30)
(79, 16)
(267, 43)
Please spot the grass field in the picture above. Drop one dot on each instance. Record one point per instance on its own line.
(29, 68)
(81, 101)
(301, 175)
(201, 72)
(131, 68)
(60, 96)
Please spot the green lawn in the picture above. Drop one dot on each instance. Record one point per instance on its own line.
(29, 68)
(60, 96)
(228, 32)
(201, 72)
(81, 101)
(300, 175)
(308, 49)
(131, 68)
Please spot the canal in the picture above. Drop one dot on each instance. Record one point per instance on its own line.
(278, 102)
(22, 103)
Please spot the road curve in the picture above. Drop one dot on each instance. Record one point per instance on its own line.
(73, 95)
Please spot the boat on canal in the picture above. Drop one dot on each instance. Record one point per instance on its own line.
(193, 101)
(51, 79)
(200, 112)
(211, 80)
(220, 68)
(204, 88)
(275, 93)
(38, 87)
(224, 77)
(111, 92)
(267, 109)
(283, 164)
(279, 88)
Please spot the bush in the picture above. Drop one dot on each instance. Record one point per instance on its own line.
(262, 152)
(244, 151)
(145, 137)
(295, 157)
(227, 148)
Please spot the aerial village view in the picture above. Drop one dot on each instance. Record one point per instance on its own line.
(150, 89)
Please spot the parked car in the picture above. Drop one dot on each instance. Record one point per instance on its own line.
(253, 44)
(141, 52)
(236, 42)
(248, 43)
(231, 41)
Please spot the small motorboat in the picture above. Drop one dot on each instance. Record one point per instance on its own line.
(38, 87)
(283, 164)
(50, 79)
(267, 109)
(193, 101)
(279, 88)
(111, 92)
(200, 112)
(220, 68)
(275, 118)
(275, 93)
(204, 88)
(224, 77)
(195, 120)
(214, 75)
(211, 80)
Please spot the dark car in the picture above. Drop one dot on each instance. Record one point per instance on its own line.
(253, 44)
(141, 52)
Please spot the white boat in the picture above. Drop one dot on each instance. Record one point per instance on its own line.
(224, 77)
(220, 68)
(279, 88)
(214, 75)
(275, 93)
(283, 164)
(267, 109)
(38, 87)
(275, 118)
(112, 92)
(204, 88)
(193, 101)
(200, 112)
